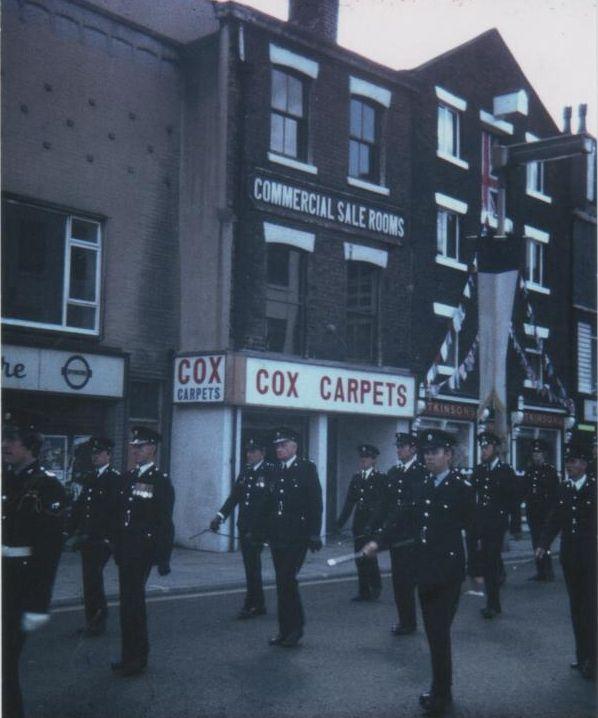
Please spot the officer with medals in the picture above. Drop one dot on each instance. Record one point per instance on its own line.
(250, 493)
(294, 515)
(443, 509)
(395, 520)
(91, 523)
(495, 486)
(541, 485)
(573, 515)
(143, 538)
(363, 497)
(33, 505)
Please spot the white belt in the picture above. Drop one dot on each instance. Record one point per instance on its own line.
(16, 551)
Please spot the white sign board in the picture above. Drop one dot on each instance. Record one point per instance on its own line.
(589, 410)
(32, 369)
(323, 388)
(199, 379)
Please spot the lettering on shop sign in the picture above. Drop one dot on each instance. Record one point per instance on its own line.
(14, 370)
(536, 418)
(452, 410)
(319, 388)
(199, 379)
(327, 206)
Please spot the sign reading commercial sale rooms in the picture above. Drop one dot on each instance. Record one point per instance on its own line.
(323, 388)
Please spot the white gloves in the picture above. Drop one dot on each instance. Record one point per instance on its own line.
(32, 621)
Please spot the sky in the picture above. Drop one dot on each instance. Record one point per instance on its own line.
(554, 41)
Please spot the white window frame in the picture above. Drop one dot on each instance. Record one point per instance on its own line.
(361, 253)
(449, 108)
(534, 255)
(536, 351)
(69, 243)
(442, 215)
(591, 174)
(586, 334)
(448, 311)
(534, 176)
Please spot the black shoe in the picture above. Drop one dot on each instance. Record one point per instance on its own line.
(588, 670)
(490, 612)
(424, 697)
(276, 640)
(359, 597)
(575, 665)
(245, 613)
(292, 639)
(398, 630)
(434, 705)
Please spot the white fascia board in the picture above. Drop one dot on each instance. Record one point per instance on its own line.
(449, 99)
(511, 103)
(360, 253)
(280, 56)
(373, 92)
(455, 205)
(537, 234)
(279, 234)
(494, 122)
(444, 310)
(536, 331)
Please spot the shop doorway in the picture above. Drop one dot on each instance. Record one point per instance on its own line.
(265, 423)
(522, 447)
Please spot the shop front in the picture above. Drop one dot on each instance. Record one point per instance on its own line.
(547, 425)
(333, 408)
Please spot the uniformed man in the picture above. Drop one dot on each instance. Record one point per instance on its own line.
(91, 523)
(573, 515)
(250, 493)
(541, 485)
(143, 538)
(295, 521)
(396, 520)
(33, 504)
(444, 508)
(363, 497)
(495, 488)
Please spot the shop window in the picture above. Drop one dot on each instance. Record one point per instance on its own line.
(364, 141)
(288, 115)
(362, 310)
(449, 133)
(448, 234)
(586, 358)
(534, 266)
(285, 299)
(51, 269)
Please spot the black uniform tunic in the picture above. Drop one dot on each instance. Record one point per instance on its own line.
(574, 515)
(495, 487)
(395, 522)
(294, 518)
(363, 497)
(143, 537)
(33, 503)
(441, 514)
(541, 486)
(250, 493)
(92, 522)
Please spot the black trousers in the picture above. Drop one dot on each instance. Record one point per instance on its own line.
(94, 556)
(13, 638)
(439, 605)
(287, 564)
(252, 561)
(580, 578)
(491, 561)
(536, 518)
(132, 576)
(368, 571)
(403, 583)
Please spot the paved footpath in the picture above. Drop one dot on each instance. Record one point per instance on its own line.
(207, 570)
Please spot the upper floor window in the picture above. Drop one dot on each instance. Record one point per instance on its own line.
(535, 262)
(449, 134)
(362, 310)
(288, 117)
(51, 268)
(587, 361)
(534, 355)
(591, 174)
(285, 299)
(535, 177)
(448, 234)
(364, 149)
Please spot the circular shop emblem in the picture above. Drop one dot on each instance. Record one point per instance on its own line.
(76, 372)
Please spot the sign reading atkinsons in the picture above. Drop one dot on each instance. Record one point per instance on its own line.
(322, 388)
(326, 206)
(199, 379)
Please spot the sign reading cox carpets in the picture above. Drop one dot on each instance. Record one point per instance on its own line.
(323, 388)
(199, 379)
(331, 207)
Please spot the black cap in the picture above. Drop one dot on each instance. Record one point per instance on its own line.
(488, 437)
(100, 443)
(368, 450)
(144, 435)
(255, 443)
(539, 445)
(577, 450)
(406, 439)
(18, 422)
(435, 439)
(283, 433)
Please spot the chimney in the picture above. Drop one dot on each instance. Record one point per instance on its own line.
(318, 17)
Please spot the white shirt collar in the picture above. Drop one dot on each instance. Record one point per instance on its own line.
(101, 470)
(411, 461)
(439, 478)
(143, 468)
(494, 462)
(255, 467)
(367, 472)
(579, 482)
(290, 462)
